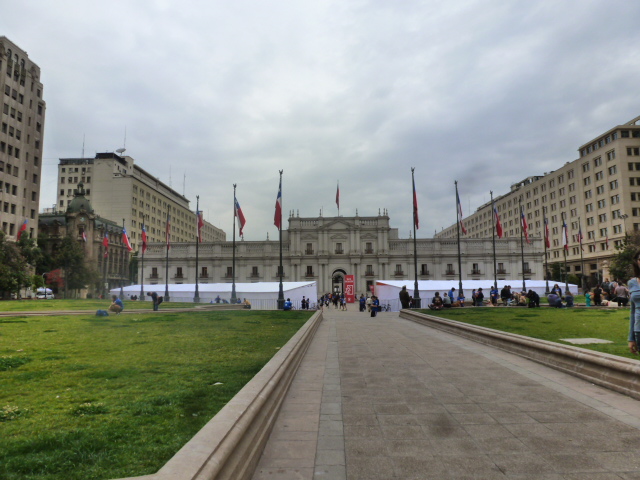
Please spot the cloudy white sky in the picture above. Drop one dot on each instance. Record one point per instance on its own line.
(487, 92)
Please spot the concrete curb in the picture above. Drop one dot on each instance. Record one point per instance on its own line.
(609, 371)
(230, 444)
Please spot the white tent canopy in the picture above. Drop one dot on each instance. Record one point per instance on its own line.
(388, 290)
(262, 295)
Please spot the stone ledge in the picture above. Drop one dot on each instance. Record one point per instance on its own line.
(609, 371)
(230, 444)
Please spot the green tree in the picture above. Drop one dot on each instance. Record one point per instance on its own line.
(70, 257)
(556, 272)
(620, 265)
(14, 269)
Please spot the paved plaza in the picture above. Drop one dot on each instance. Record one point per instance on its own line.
(385, 398)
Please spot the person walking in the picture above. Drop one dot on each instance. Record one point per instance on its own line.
(154, 299)
(634, 295)
(404, 297)
(621, 295)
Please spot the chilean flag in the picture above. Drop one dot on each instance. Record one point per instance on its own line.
(277, 218)
(498, 224)
(200, 225)
(125, 239)
(464, 230)
(105, 243)
(580, 237)
(547, 241)
(416, 222)
(565, 236)
(525, 227)
(23, 228)
(84, 236)
(240, 215)
(144, 239)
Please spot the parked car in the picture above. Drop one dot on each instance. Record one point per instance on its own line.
(44, 296)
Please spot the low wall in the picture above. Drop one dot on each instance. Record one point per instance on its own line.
(229, 446)
(616, 373)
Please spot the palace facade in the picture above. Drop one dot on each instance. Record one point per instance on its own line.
(326, 249)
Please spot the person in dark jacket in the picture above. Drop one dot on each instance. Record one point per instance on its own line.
(405, 300)
(534, 299)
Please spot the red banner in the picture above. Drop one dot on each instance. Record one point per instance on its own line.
(350, 288)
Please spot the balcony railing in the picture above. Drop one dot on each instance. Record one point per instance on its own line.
(178, 275)
(255, 274)
(309, 274)
(424, 272)
(368, 250)
(204, 275)
(475, 272)
(398, 273)
(527, 270)
(153, 275)
(501, 271)
(339, 251)
(369, 273)
(308, 252)
(450, 272)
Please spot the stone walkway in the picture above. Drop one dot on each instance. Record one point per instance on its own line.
(385, 398)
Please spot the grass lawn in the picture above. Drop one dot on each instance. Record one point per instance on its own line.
(87, 397)
(553, 324)
(34, 305)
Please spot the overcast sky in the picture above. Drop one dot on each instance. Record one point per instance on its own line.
(487, 92)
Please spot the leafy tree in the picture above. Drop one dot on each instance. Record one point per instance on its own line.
(556, 272)
(620, 265)
(14, 269)
(70, 257)
(30, 251)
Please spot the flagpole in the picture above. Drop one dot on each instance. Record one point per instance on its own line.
(524, 286)
(546, 260)
(416, 291)
(338, 197)
(196, 297)
(581, 256)
(166, 263)
(105, 259)
(458, 214)
(233, 262)
(142, 272)
(493, 237)
(280, 267)
(121, 279)
(564, 250)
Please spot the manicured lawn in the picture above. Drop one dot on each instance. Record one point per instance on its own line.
(553, 324)
(88, 304)
(87, 397)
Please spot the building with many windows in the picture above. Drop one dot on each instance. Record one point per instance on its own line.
(326, 249)
(597, 195)
(21, 137)
(120, 190)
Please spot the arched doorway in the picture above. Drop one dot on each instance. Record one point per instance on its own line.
(337, 281)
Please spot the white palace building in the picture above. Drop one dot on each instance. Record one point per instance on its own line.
(326, 249)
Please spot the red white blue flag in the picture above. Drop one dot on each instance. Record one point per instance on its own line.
(580, 237)
(277, 218)
(144, 239)
(499, 231)
(105, 243)
(23, 228)
(200, 224)
(547, 240)
(525, 226)
(240, 215)
(464, 230)
(125, 239)
(84, 236)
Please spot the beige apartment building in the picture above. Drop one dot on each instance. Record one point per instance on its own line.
(21, 137)
(120, 190)
(598, 194)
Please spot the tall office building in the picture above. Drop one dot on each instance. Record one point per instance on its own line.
(596, 195)
(21, 138)
(120, 190)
